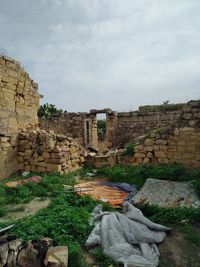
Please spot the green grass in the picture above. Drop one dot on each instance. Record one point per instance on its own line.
(171, 216)
(65, 220)
(139, 174)
(101, 259)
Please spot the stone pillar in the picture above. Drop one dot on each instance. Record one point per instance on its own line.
(94, 141)
(111, 125)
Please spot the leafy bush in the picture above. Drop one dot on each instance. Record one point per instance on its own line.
(129, 151)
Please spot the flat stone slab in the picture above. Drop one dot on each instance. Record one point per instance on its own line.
(167, 194)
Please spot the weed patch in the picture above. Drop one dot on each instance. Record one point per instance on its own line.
(171, 216)
(129, 150)
(139, 174)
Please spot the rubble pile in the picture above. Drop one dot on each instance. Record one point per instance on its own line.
(42, 151)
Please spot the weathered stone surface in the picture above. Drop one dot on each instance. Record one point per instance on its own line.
(63, 156)
(57, 257)
(17, 110)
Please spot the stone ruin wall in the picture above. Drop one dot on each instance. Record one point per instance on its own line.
(22, 144)
(178, 143)
(74, 125)
(68, 123)
(19, 102)
(42, 151)
(130, 125)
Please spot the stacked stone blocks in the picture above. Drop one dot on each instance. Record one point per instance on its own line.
(42, 151)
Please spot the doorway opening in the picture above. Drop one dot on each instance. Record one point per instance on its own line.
(101, 127)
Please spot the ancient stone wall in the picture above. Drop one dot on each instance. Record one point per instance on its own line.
(70, 124)
(42, 151)
(19, 103)
(179, 143)
(133, 124)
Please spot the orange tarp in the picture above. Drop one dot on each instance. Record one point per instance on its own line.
(105, 193)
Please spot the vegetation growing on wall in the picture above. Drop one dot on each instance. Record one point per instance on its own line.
(129, 150)
(101, 129)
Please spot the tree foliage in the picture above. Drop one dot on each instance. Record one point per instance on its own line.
(49, 110)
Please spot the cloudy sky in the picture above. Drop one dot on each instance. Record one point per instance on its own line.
(106, 53)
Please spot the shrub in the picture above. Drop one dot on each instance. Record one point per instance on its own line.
(129, 151)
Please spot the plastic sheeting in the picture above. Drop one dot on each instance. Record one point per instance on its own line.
(128, 238)
(114, 193)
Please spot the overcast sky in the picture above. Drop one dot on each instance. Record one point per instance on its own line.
(106, 53)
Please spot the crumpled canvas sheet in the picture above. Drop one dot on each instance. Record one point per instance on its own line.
(128, 238)
(114, 193)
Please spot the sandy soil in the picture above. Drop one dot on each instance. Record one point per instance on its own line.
(29, 209)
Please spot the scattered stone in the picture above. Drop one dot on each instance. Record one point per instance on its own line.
(57, 257)
(34, 253)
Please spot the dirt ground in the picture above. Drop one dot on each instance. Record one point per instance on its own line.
(177, 251)
(26, 209)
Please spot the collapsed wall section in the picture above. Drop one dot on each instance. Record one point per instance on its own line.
(68, 123)
(19, 103)
(42, 151)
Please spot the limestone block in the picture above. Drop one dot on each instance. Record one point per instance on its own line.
(41, 169)
(140, 155)
(163, 161)
(149, 155)
(156, 148)
(146, 161)
(149, 148)
(57, 257)
(149, 142)
(160, 154)
(54, 167)
(138, 160)
(28, 152)
(40, 158)
(191, 148)
(161, 142)
(72, 150)
(46, 155)
(33, 161)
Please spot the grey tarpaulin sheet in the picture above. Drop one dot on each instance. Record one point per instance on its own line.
(128, 238)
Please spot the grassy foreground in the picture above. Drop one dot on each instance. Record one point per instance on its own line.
(65, 220)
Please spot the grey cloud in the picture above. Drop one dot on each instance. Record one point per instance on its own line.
(97, 53)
